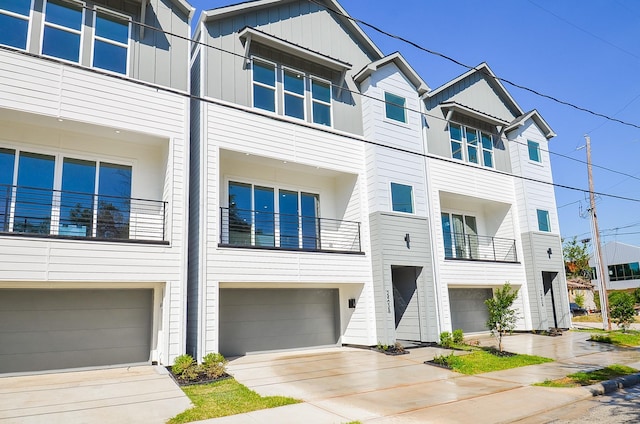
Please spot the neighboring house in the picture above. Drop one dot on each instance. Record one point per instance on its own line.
(279, 244)
(93, 183)
(578, 286)
(622, 262)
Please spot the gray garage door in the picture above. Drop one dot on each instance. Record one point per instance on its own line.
(58, 329)
(468, 310)
(255, 320)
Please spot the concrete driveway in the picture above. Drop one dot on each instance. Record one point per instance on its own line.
(144, 394)
(343, 384)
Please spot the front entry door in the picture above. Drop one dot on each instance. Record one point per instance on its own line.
(549, 298)
(405, 301)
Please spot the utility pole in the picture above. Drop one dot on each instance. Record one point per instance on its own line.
(604, 299)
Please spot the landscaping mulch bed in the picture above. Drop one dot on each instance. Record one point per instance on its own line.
(438, 364)
(201, 379)
(392, 351)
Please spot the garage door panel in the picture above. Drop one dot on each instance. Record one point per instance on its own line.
(253, 320)
(57, 329)
(468, 310)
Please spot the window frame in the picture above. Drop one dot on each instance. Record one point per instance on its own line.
(28, 18)
(413, 208)
(59, 158)
(120, 16)
(548, 220)
(479, 146)
(537, 149)
(388, 103)
(82, 7)
(274, 88)
(285, 92)
(313, 78)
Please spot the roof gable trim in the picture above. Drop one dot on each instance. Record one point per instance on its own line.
(402, 64)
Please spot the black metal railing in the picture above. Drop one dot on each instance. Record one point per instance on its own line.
(481, 248)
(46, 212)
(268, 230)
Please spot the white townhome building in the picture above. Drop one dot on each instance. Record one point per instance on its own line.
(93, 182)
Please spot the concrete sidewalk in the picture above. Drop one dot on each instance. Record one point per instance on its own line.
(344, 384)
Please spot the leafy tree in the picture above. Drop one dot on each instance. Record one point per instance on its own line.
(621, 309)
(502, 315)
(636, 295)
(576, 259)
(579, 299)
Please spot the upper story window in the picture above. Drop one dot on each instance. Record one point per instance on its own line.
(543, 220)
(264, 85)
(534, 151)
(296, 89)
(395, 107)
(401, 198)
(62, 35)
(111, 42)
(471, 145)
(14, 21)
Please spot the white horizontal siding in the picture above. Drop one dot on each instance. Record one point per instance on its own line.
(470, 273)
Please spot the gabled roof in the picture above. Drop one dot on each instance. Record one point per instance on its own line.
(537, 118)
(402, 64)
(227, 11)
(484, 69)
(182, 5)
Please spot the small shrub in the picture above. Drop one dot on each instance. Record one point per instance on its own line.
(185, 367)
(604, 338)
(443, 360)
(398, 346)
(458, 336)
(213, 365)
(579, 299)
(445, 339)
(622, 311)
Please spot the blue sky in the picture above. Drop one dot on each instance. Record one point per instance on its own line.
(583, 52)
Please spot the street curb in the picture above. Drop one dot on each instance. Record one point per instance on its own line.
(614, 385)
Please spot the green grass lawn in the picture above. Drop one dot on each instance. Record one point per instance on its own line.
(482, 361)
(616, 337)
(591, 377)
(225, 397)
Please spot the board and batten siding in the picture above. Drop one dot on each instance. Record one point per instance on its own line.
(302, 23)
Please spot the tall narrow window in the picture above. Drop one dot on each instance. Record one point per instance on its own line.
(289, 225)
(401, 198)
(7, 163)
(34, 194)
(264, 216)
(395, 107)
(455, 133)
(534, 151)
(111, 43)
(321, 102)
(240, 206)
(264, 86)
(62, 30)
(14, 21)
(472, 145)
(114, 201)
(460, 234)
(543, 220)
(487, 150)
(77, 198)
(309, 205)
(293, 94)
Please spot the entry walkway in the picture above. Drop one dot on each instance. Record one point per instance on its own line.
(344, 384)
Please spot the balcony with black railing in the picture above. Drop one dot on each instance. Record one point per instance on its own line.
(479, 248)
(276, 231)
(38, 212)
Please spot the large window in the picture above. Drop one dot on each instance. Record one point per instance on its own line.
(460, 233)
(543, 220)
(87, 199)
(111, 42)
(401, 198)
(621, 272)
(395, 107)
(471, 145)
(270, 217)
(14, 21)
(296, 90)
(534, 151)
(62, 30)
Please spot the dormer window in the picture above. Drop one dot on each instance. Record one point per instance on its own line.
(62, 30)
(14, 21)
(111, 42)
(471, 145)
(293, 83)
(264, 85)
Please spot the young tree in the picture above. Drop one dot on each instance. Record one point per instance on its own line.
(502, 316)
(579, 299)
(621, 309)
(576, 259)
